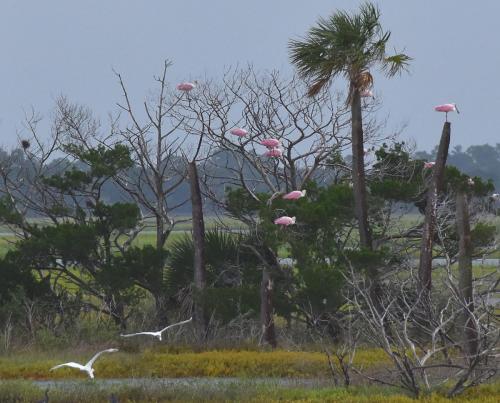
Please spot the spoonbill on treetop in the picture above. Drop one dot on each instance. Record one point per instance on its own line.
(238, 131)
(186, 87)
(274, 152)
(159, 332)
(270, 143)
(88, 366)
(294, 195)
(429, 165)
(285, 220)
(446, 108)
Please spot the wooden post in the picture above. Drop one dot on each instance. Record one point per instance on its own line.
(435, 187)
(200, 315)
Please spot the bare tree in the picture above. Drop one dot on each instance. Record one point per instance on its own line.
(158, 178)
(465, 283)
(423, 344)
(311, 131)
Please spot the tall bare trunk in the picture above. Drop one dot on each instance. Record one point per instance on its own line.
(266, 309)
(465, 273)
(358, 171)
(200, 314)
(435, 187)
(161, 309)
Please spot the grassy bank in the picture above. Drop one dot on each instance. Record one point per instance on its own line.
(154, 364)
(241, 391)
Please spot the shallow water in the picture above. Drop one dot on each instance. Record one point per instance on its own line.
(188, 382)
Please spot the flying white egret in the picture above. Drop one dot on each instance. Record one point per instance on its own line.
(88, 366)
(159, 332)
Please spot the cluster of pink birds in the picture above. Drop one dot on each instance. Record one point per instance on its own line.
(285, 220)
(274, 150)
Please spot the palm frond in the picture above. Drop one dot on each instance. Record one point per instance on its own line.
(345, 44)
(317, 86)
(396, 64)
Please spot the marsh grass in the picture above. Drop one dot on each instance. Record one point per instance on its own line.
(234, 390)
(152, 363)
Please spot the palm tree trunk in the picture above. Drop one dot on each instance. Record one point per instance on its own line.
(425, 266)
(465, 273)
(358, 171)
(359, 188)
(200, 315)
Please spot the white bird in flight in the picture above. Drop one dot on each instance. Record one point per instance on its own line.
(88, 366)
(159, 332)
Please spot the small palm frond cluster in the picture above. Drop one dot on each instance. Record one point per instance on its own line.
(347, 45)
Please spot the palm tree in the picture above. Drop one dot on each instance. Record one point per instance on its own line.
(349, 46)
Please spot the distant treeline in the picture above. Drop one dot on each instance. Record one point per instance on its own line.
(477, 160)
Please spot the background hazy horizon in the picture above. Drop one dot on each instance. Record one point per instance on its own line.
(58, 47)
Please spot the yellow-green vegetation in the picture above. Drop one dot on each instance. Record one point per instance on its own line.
(151, 363)
(235, 390)
(6, 242)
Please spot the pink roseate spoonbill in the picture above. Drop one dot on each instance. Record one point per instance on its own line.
(294, 195)
(366, 94)
(270, 143)
(186, 87)
(447, 108)
(238, 131)
(88, 366)
(285, 220)
(274, 152)
(429, 165)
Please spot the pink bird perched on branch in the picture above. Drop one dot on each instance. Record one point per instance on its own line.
(285, 220)
(270, 143)
(294, 195)
(429, 165)
(274, 152)
(366, 94)
(446, 108)
(186, 87)
(238, 131)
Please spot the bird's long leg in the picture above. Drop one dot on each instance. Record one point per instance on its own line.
(446, 116)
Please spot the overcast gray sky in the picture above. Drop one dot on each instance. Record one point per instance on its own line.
(54, 47)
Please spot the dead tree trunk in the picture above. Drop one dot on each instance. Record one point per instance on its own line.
(465, 273)
(200, 314)
(266, 309)
(161, 308)
(435, 186)
(269, 264)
